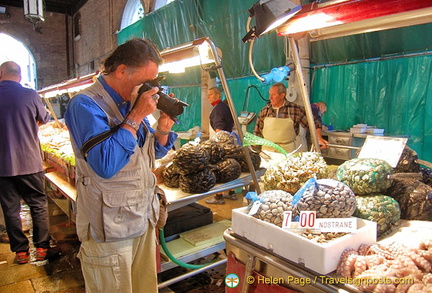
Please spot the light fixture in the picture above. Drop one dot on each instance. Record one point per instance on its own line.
(3, 10)
(33, 11)
(341, 18)
(178, 58)
(269, 14)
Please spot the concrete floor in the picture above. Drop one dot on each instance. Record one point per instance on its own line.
(62, 273)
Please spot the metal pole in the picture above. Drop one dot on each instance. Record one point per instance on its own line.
(191, 273)
(304, 93)
(234, 113)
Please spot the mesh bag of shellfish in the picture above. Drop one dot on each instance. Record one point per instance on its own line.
(414, 198)
(382, 209)
(225, 137)
(407, 162)
(171, 176)
(290, 174)
(427, 175)
(190, 159)
(329, 198)
(365, 176)
(199, 182)
(215, 151)
(271, 205)
(236, 152)
(227, 170)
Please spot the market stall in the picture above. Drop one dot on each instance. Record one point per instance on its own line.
(343, 242)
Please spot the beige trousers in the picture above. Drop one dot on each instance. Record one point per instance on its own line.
(123, 266)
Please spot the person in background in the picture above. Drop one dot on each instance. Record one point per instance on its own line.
(220, 120)
(220, 116)
(21, 172)
(318, 110)
(279, 121)
(117, 204)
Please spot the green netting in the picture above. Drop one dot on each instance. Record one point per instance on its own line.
(392, 94)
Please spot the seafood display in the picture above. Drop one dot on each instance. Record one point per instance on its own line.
(273, 205)
(329, 198)
(414, 198)
(56, 141)
(197, 167)
(382, 209)
(290, 174)
(365, 176)
(404, 269)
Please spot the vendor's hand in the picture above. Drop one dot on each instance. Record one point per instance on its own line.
(323, 143)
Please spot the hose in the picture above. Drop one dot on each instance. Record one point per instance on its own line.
(175, 260)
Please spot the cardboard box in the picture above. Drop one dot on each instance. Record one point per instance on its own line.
(322, 258)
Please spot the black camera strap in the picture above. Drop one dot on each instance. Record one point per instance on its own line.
(92, 142)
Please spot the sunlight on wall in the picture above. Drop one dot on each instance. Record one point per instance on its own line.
(13, 50)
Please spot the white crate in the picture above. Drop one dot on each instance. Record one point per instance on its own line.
(322, 258)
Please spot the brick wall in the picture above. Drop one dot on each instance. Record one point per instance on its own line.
(47, 43)
(98, 38)
(58, 55)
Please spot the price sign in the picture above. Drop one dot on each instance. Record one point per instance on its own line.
(286, 224)
(337, 225)
(307, 219)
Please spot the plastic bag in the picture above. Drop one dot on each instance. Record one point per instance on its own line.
(382, 209)
(365, 176)
(328, 197)
(272, 205)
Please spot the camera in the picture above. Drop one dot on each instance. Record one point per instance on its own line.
(172, 107)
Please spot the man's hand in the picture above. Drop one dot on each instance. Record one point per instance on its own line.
(144, 105)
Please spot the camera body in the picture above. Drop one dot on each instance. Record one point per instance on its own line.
(172, 107)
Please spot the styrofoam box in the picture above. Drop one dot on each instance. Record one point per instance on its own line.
(358, 130)
(322, 258)
(375, 131)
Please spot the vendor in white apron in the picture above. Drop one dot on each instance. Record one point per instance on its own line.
(279, 121)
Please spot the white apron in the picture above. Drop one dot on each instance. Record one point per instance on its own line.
(281, 132)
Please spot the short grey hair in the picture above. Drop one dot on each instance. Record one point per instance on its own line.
(280, 86)
(217, 90)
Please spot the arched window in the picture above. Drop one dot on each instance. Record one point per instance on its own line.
(134, 11)
(14, 50)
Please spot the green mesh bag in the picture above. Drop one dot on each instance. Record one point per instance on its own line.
(365, 176)
(382, 209)
(250, 140)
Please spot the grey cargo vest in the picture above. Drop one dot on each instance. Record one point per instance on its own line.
(121, 207)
